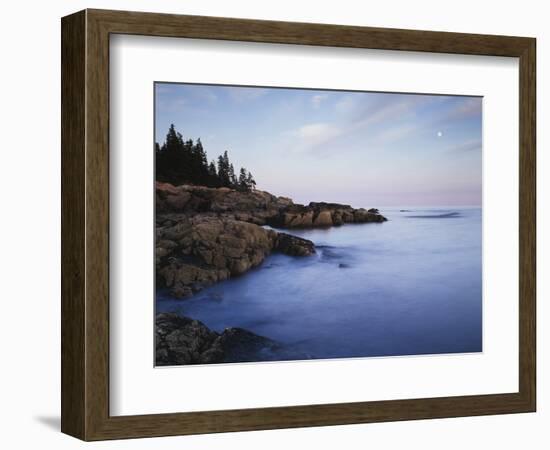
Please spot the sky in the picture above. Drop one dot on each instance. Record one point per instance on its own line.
(366, 149)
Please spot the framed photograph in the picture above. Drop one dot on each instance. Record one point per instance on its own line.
(273, 225)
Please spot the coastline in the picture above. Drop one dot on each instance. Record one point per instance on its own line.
(208, 235)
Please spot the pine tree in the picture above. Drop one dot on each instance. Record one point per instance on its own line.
(169, 156)
(250, 182)
(223, 170)
(190, 146)
(212, 169)
(199, 150)
(232, 177)
(173, 140)
(242, 180)
(180, 162)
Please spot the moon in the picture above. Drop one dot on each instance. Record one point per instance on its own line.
(439, 133)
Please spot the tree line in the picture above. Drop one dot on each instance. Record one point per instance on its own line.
(180, 161)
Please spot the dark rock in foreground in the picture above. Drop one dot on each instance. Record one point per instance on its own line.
(182, 341)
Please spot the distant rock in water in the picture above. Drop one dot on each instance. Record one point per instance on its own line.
(293, 245)
(206, 235)
(451, 215)
(330, 253)
(323, 215)
(180, 340)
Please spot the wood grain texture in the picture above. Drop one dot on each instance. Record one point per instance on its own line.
(73, 109)
(527, 224)
(97, 225)
(267, 31)
(85, 224)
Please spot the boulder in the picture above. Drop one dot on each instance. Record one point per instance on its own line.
(323, 219)
(181, 340)
(240, 345)
(293, 245)
(194, 252)
(337, 218)
(363, 216)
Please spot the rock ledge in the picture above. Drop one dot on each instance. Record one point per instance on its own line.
(206, 235)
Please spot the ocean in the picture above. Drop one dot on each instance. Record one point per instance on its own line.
(408, 286)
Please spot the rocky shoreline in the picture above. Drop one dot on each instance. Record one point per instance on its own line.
(206, 235)
(181, 340)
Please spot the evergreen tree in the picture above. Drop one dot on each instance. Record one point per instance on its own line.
(173, 140)
(242, 180)
(212, 169)
(212, 178)
(188, 145)
(232, 177)
(201, 155)
(180, 162)
(170, 160)
(250, 182)
(223, 169)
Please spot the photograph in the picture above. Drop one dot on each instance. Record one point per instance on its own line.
(305, 224)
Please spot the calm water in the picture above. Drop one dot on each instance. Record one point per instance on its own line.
(411, 285)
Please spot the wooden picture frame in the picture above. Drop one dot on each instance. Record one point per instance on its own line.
(85, 224)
